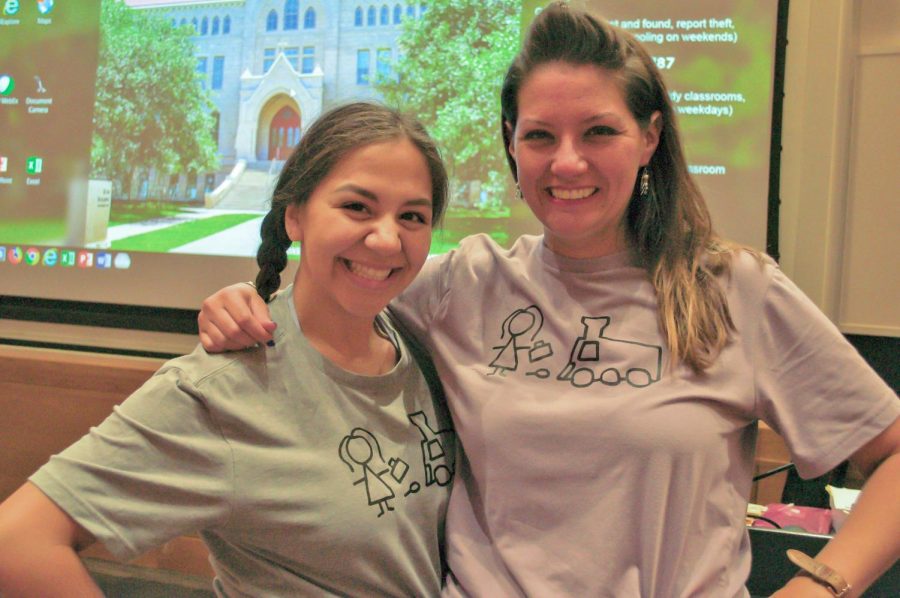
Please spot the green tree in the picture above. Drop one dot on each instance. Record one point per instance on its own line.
(150, 112)
(449, 74)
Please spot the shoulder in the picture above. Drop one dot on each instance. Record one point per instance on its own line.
(479, 252)
(237, 369)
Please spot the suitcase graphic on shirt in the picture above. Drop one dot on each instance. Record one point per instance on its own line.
(597, 358)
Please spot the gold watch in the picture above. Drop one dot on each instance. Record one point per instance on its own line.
(820, 572)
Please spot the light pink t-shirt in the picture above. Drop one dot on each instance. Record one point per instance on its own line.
(593, 468)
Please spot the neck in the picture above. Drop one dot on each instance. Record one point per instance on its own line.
(351, 343)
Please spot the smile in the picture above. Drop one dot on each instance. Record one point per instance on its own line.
(367, 272)
(571, 194)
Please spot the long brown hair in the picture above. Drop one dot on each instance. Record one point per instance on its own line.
(329, 139)
(669, 230)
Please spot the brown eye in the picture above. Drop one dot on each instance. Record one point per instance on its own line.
(536, 134)
(602, 131)
(414, 217)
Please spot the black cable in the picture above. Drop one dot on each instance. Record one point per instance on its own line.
(771, 472)
(766, 519)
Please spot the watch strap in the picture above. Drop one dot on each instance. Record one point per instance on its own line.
(820, 572)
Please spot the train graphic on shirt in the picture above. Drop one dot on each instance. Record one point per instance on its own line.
(595, 357)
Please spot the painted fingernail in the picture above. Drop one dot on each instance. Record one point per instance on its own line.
(270, 343)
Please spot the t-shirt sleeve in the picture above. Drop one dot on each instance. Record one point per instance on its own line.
(422, 301)
(813, 387)
(156, 468)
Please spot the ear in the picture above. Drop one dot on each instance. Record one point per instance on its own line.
(510, 134)
(651, 137)
(293, 221)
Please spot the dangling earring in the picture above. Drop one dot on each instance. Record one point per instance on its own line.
(518, 191)
(645, 182)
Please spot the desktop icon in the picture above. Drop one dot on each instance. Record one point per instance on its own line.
(10, 7)
(67, 258)
(32, 256)
(85, 259)
(104, 260)
(44, 6)
(2, 254)
(51, 257)
(7, 85)
(4, 163)
(122, 261)
(15, 255)
(34, 165)
(40, 85)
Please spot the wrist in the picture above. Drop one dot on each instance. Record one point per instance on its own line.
(819, 573)
(803, 585)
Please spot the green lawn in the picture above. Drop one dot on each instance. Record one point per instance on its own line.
(48, 231)
(169, 238)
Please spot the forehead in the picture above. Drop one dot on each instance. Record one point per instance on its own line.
(394, 163)
(562, 86)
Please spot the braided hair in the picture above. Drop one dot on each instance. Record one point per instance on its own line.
(324, 144)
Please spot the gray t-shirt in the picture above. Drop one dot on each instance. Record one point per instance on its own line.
(595, 468)
(303, 479)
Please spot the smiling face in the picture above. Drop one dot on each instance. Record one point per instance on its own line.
(365, 232)
(577, 150)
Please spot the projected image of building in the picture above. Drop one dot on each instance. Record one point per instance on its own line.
(272, 66)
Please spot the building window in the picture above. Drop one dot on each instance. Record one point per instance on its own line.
(293, 57)
(358, 16)
(218, 72)
(291, 15)
(422, 9)
(194, 25)
(174, 23)
(268, 59)
(383, 64)
(226, 25)
(201, 71)
(385, 15)
(398, 13)
(309, 19)
(272, 21)
(215, 26)
(309, 59)
(183, 22)
(204, 26)
(362, 67)
(410, 11)
(370, 16)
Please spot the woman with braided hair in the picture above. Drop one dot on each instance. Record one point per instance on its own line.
(320, 466)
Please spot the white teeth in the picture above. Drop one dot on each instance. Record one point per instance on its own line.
(572, 193)
(367, 272)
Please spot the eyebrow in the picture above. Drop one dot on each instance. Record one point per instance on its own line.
(588, 120)
(422, 201)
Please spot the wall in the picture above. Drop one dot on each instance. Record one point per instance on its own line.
(839, 213)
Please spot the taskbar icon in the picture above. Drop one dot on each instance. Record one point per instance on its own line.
(66, 258)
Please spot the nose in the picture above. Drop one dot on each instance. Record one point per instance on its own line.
(384, 237)
(567, 159)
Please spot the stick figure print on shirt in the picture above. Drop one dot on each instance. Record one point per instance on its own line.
(438, 470)
(360, 447)
(596, 357)
(515, 328)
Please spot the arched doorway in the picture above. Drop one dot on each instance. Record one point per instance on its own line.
(284, 133)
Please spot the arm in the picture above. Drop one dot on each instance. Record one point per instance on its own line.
(38, 544)
(234, 318)
(869, 541)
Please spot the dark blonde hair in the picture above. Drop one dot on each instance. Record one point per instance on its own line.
(329, 139)
(669, 229)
